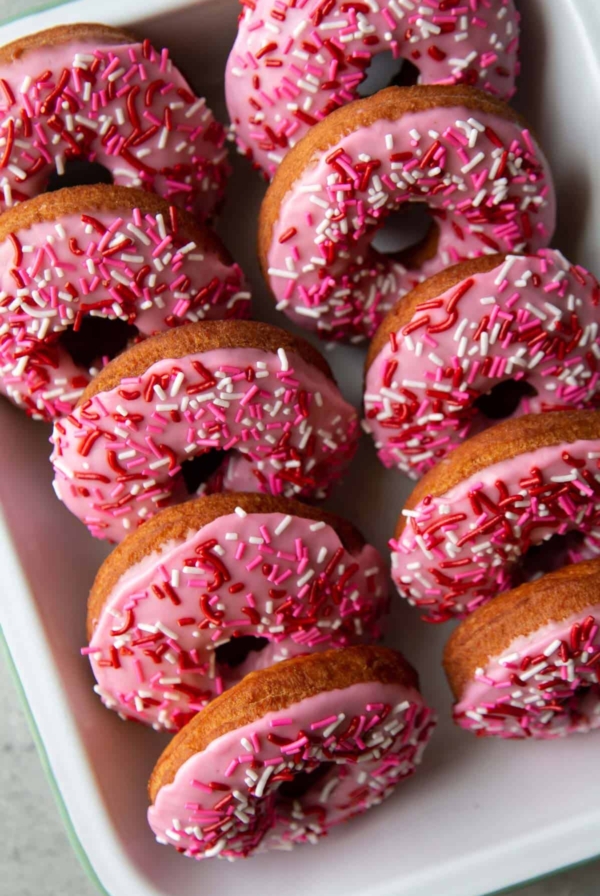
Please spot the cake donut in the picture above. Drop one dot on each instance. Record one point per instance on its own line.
(210, 590)
(524, 329)
(463, 154)
(91, 93)
(477, 523)
(289, 752)
(114, 253)
(293, 64)
(528, 664)
(263, 399)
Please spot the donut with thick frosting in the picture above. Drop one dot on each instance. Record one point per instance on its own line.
(290, 752)
(93, 93)
(528, 664)
(266, 399)
(466, 156)
(292, 64)
(215, 588)
(525, 327)
(115, 253)
(477, 523)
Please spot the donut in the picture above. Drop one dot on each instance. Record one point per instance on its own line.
(209, 590)
(464, 155)
(115, 253)
(289, 752)
(524, 329)
(293, 64)
(515, 499)
(264, 400)
(91, 93)
(528, 664)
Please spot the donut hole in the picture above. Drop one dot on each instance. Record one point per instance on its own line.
(197, 470)
(78, 173)
(385, 71)
(504, 399)
(581, 707)
(552, 554)
(95, 339)
(237, 650)
(409, 235)
(301, 783)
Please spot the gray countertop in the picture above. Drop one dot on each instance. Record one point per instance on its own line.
(35, 856)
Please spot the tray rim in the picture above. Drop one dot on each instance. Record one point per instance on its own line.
(587, 18)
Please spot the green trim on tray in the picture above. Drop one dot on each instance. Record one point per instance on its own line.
(42, 7)
(37, 739)
(548, 876)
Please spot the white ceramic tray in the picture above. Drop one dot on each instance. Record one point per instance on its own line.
(479, 816)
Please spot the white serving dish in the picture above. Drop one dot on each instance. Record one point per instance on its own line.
(480, 816)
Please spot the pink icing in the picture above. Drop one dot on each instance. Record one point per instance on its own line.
(293, 64)
(267, 575)
(225, 800)
(283, 423)
(457, 551)
(483, 178)
(544, 685)
(124, 106)
(532, 320)
(55, 272)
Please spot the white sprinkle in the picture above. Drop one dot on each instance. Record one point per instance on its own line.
(552, 647)
(305, 578)
(473, 163)
(262, 783)
(327, 732)
(167, 631)
(283, 524)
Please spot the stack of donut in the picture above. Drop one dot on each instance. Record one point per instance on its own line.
(234, 612)
(83, 104)
(479, 322)
(230, 611)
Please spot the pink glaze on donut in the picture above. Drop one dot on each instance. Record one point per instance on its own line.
(226, 801)
(458, 551)
(284, 425)
(545, 684)
(124, 106)
(482, 176)
(118, 265)
(294, 63)
(532, 320)
(265, 575)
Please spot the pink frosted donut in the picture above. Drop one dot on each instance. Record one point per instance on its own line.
(477, 523)
(217, 587)
(116, 253)
(93, 93)
(463, 154)
(263, 398)
(293, 64)
(290, 752)
(524, 329)
(528, 665)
